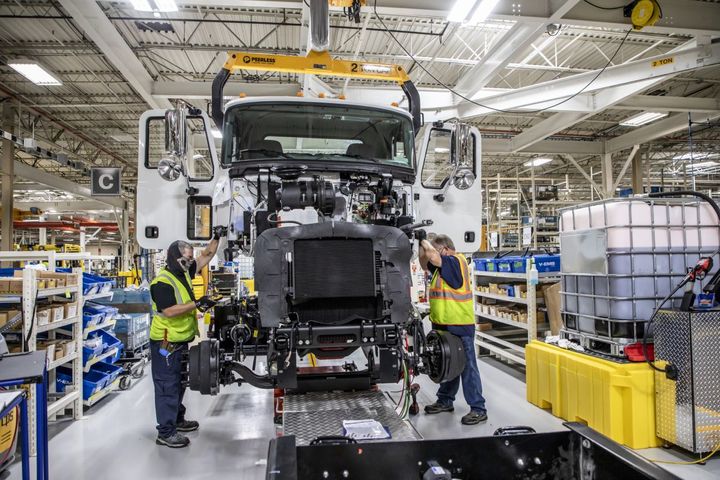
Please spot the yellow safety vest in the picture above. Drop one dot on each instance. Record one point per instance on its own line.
(450, 306)
(179, 329)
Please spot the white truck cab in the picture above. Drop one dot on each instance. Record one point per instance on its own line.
(280, 161)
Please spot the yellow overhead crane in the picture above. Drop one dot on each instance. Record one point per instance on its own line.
(314, 63)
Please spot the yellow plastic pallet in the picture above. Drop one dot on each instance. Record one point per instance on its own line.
(616, 399)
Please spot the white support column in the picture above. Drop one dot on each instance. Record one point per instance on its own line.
(7, 171)
(82, 239)
(42, 234)
(607, 175)
(626, 165)
(125, 239)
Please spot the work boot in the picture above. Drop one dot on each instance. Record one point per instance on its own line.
(438, 407)
(473, 418)
(175, 440)
(187, 426)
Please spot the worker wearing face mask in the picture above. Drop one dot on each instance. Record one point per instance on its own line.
(173, 326)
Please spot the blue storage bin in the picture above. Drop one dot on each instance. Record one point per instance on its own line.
(112, 371)
(113, 358)
(504, 264)
(90, 353)
(107, 312)
(481, 264)
(547, 263)
(109, 340)
(491, 265)
(91, 319)
(519, 264)
(93, 381)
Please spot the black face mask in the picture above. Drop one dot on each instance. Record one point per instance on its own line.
(175, 261)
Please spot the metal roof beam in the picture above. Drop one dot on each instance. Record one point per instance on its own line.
(654, 130)
(680, 17)
(547, 94)
(516, 40)
(571, 147)
(92, 20)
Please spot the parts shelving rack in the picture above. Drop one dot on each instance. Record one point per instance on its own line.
(507, 338)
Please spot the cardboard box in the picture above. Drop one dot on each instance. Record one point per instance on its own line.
(68, 347)
(14, 286)
(60, 279)
(42, 316)
(49, 347)
(553, 304)
(71, 310)
(57, 313)
(484, 326)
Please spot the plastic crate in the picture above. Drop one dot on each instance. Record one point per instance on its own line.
(91, 319)
(90, 352)
(93, 381)
(135, 340)
(481, 264)
(109, 340)
(616, 399)
(503, 265)
(547, 263)
(518, 264)
(112, 371)
(107, 312)
(114, 358)
(132, 322)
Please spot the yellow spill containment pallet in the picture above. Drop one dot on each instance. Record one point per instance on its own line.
(616, 399)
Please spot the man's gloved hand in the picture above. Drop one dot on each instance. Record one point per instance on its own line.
(218, 232)
(420, 235)
(205, 303)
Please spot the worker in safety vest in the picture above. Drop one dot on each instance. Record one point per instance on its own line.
(451, 309)
(174, 325)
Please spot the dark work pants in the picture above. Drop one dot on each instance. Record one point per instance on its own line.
(470, 377)
(167, 378)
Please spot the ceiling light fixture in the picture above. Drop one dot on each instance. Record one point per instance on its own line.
(160, 5)
(696, 155)
(482, 12)
(216, 133)
(643, 118)
(460, 10)
(536, 162)
(696, 166)
(34, 72)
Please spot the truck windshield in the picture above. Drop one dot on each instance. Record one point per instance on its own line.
(307, 131)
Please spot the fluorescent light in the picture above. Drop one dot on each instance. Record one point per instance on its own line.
(34, 72)
(162, 5)
(141, 5)
(695, 166)
(696, 155)
(482, 12)
(642, 119)
(216, 133)
(536, 162)
(442, 150)
(372, 68)
(460, 10)
(166, 5)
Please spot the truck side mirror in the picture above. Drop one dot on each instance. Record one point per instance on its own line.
(463, 176)
(171, 166)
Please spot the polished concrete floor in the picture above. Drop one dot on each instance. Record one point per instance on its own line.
(115, 440)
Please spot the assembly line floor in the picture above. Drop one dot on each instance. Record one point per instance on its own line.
(116, 439)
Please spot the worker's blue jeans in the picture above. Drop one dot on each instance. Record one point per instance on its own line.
(472, 386)
(167, 377)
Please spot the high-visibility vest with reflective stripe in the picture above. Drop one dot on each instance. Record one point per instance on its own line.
(182, 328)
(450, 306)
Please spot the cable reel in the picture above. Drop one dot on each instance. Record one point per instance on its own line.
(643, 13)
